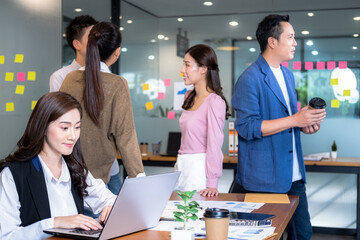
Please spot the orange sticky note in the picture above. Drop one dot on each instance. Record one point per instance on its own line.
(9, 106)
(19, 89)
(9, 76)
(334, 81)
(31, 76)
(181, 74)
(335, 103)
(346, 92)
(145, 86)
(297, 65)
(331, 65)
(167, 81)
(285, 64)
(161, 95)
(342, 64)
(19, 58)
(171, 115)
(309, 65)
(33, 104)
(2, 59)
(149, 106)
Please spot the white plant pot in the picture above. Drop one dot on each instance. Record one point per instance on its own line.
(333, 155)
(179, 234)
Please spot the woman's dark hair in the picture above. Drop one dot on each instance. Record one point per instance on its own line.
(50, 107)
(104, 39)
(205, 56)
(270, 27)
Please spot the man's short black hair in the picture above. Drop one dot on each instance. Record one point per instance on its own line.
(270, 27)
(76, 28)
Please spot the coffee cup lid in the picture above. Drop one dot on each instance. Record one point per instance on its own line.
(317, 103)
(216, 213)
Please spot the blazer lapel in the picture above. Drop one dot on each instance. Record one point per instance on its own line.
(291, 91)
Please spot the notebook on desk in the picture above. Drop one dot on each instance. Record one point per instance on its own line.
(138, 206)
(173, 144)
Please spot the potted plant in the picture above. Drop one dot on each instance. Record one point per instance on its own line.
(188, 211)
(333, 150)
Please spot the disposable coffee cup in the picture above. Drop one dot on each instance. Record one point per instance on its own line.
(217, 223)
(317, 103)
(144, 148)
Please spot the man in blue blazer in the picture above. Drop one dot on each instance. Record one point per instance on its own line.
(270, 157)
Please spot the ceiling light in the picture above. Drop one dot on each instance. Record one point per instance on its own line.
(151, 57)
(357, 18)
(180, 19)
(356, 35)
(121, 29)
(233, 23)
(309, 43)
(305, 32)
(249, 38)
(160, 36)
(166, 38)
(78, 10)
(153, 40)
(129, 21)
(208, 4)
(227, 48)
(252, 49)
(310, 14)
(64, 35)
(314, 52)
(120, 17)
(124, 49)
(354, 47)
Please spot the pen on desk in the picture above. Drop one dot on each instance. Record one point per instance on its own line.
(272, 235)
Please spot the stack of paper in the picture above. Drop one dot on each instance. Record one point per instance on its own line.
(316, 156)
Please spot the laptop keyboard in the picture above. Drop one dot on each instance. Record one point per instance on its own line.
(87, 232)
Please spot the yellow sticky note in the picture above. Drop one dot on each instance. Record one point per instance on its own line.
(145, 86)
(346, 92)
(149, 106)
(31, 76)
(9, 106)
(33, 104)
(2, 59)
(181, 74)
(335, 103)
(9, 76)
(334, 81)
(19, 58)
(19, 89)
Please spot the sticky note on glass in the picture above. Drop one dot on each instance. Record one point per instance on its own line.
(149, 106)
(297, 65)
(2, 59)
(335, 103)
(171, 115)
(21, 76)
(309, 65)
(9, 76)
(334, 81)
(31, 76)
(342, 64)
(19, 89)
(19, 58)
(346, 92)
(145, 86)
(285, 64)
(167, 82)
(331, 65)
(181, 74)
(33, 104)
(161, 95)
(320, 66)
(298, 106)
(9, 106)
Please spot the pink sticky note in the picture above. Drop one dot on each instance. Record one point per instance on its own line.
(167, 81)
(298, 106)
(309, 65)
(161, 95)
(285, 64)
(297, 65)
(342, 64)
(171, 115)
(320, 65)
(21, 76)
(331, 65)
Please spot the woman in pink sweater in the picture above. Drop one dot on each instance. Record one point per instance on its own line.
(202, 123)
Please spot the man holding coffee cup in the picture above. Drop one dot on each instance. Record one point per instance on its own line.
(270, 157)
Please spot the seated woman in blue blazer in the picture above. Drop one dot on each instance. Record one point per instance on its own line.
(45, 182)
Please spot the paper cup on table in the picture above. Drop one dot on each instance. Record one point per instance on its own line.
(217, 223)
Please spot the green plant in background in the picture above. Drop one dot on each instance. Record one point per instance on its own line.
(334, 147)
(189, 209)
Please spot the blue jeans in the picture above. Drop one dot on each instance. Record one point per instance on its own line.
(299, 227)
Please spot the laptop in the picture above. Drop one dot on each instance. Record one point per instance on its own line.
(138, 206)
(173, 144)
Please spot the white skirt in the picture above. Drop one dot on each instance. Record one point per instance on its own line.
(193, 175)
